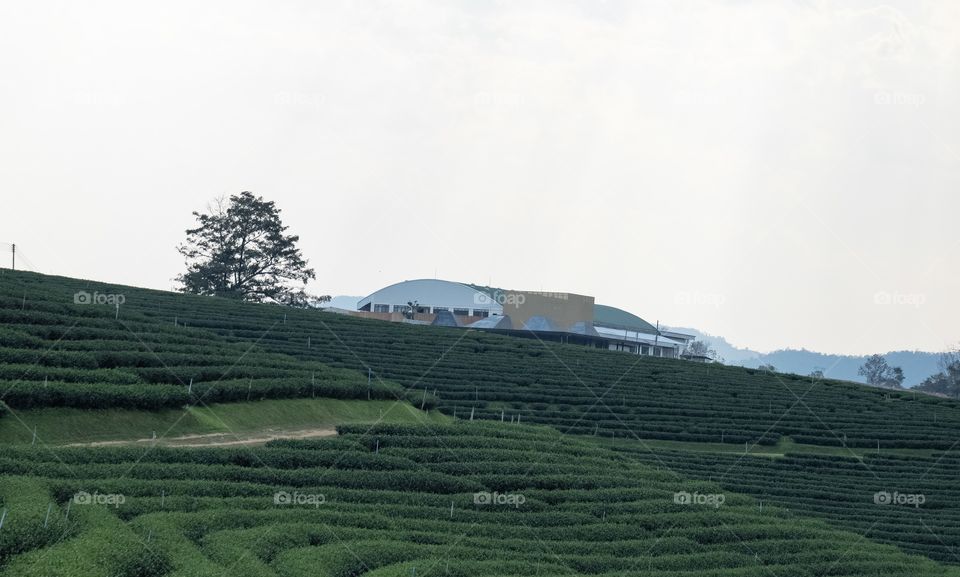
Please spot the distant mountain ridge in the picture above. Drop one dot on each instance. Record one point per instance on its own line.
(916, 365)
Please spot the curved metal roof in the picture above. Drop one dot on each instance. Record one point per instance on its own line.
(608, 316)
(433, 293)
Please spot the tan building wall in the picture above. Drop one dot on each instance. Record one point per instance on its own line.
(564, 309)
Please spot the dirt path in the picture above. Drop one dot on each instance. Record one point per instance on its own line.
(218, 439)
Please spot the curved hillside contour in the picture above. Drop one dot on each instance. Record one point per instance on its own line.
(58, 353)
(466, 499)
(225, 345)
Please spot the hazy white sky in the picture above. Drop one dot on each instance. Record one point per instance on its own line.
(779, 173)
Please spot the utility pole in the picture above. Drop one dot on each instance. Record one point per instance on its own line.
(656, 339)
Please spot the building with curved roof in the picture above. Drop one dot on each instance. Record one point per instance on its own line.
(432, 296)
(566, 317)
(612, 317)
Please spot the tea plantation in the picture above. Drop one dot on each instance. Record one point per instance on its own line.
(232, 351)
(56, 353)
(912, 502)
(555, 474)
(466, 499)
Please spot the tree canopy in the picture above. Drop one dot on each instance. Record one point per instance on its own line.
(947, 381)
(880, 374)
(698, 348)
(240, 249)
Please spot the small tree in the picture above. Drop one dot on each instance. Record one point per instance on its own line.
(411, 309)
(949, 363)
(240, 250)
(768, 367)
(880, 374)
(698, 348)
(874, 369)
(817, 374)
(947, 381)
(895, 379)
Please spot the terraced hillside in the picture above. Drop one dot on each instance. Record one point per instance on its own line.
(572, 388)
(55, 352)
(160, 352)
(909, 501)
(468, 499)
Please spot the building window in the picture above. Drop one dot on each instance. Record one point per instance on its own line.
(461, 312)
(481, 313)
(399, 308)
(440, 309)
(626, 347)
(381, 308)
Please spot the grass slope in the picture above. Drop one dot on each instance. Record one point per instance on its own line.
(66, 425)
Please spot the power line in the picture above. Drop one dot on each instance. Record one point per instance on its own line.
(16, 252)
